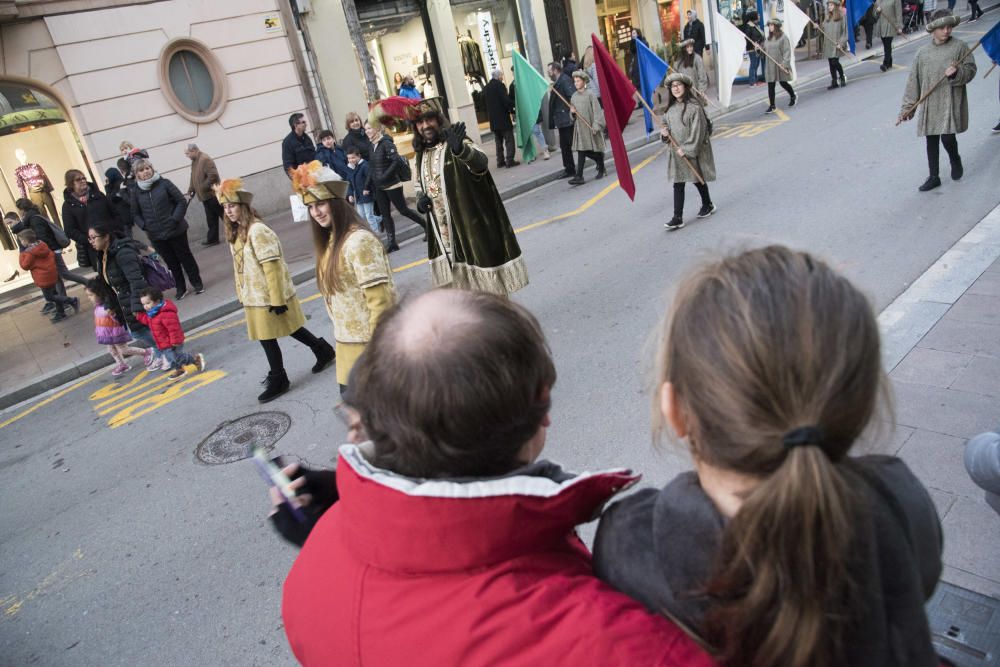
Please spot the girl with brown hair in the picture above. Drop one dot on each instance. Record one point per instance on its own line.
(352, 269)
(835, 39)
(779, 51)
(265, 288)
(779, 548)
(685, 121)
(690, 63)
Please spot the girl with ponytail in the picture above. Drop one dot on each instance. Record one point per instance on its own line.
(779, 548)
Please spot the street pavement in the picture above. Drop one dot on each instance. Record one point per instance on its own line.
(118, 545)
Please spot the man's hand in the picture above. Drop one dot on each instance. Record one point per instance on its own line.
(455, 136)
(351, 199)
(424, 204)
(315, 492)
(278, 310)
(366, 192)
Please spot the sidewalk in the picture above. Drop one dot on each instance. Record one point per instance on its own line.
(39, 356)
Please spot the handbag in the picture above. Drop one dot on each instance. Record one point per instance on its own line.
(300, 212)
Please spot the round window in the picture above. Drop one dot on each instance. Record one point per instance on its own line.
(192, 80)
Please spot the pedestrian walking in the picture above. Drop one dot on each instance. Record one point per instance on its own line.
(158, 209)
(560, 118)
(835, 28)
(686, 121)
(297, 147)
(780, 548)
(204, 175)
(694, 29)
(889, 24)
(119, 266)
(328, 153)
(753, 32)
(31, 218)
(352, 268)
(499, 106)
(631, 60)
(117, 192)
(111, 331)
(868, 22)
(83, 203)
(945, 112)
(385, 181)
(588, 130)
(779, 50)
(977, 11)
(357, 194)
(589, 65)
(265, 288)
(691, 64)
(160, 315)
(37, 258)
(356, 137)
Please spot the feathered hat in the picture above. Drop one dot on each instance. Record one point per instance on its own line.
(398, 113)
(314, 182)
(230, 191)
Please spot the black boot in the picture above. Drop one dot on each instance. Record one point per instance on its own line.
(601, 171)
(578, 178)
(931, 183)
(843, 80)
(277, 384)
(833, 85)
(956, 169)
(324, 355)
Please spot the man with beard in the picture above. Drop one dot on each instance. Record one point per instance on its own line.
(470, 241)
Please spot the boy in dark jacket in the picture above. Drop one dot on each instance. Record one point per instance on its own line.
(39, 259)
(357, 194)
(332, 155)
(161, 318)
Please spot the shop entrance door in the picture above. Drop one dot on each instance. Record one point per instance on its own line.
(558, 17)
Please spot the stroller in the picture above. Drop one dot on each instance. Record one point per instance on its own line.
(911, 17)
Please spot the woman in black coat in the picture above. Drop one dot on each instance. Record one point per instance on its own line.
(117, 193)
(83, 204)
(158, 209)
(356, 137)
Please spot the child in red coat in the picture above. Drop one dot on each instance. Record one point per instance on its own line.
(161, 318)
(39, 259)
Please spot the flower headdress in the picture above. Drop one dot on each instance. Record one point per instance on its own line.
(314, 182)
(230, 191)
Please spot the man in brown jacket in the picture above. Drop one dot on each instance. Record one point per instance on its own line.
(203, 176)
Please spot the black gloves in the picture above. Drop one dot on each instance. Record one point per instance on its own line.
(278, 310)
(455, 136)
(424, 204)
(322, 486)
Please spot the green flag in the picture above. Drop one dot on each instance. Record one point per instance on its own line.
(529, 91)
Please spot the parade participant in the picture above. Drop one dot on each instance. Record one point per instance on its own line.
(685, 120)
(560, 118)
(384, 180)
(471, 243)
(352, 268)
(779, 549)
(835, 28)
(160, 315)
(779, 50)
(889, 24)
(690, 63)
(264, 287)
(588, 142)
(448, 526)
(945, 112)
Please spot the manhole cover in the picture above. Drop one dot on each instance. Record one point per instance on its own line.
(236, 440)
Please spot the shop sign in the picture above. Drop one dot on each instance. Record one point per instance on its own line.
(491, 52)
(16, 119)
(272, 23)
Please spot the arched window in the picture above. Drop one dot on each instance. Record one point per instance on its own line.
(193, 80)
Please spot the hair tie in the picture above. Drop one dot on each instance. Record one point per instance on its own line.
(803, 436)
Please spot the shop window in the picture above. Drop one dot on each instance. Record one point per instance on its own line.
(192, 80)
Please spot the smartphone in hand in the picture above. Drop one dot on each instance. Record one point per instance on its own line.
(273, 476)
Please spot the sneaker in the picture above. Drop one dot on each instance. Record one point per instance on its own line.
(931, 183)
(48, 308)
(164, 364)
(147, 358)
(674, 224)
(180, 295)
(996, 129)
(833, 85)
(770, 109)
(512, 163)
(177, 374)
(76, 301)
(199, 361)
(547, 155)
(120, 370)
(706, 211)
(58, 317)
(200, 289)
(576, 180)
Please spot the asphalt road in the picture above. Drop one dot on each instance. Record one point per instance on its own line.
(118, 548)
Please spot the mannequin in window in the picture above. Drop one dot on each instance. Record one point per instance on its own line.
(34, 184)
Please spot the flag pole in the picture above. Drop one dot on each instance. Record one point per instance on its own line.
(765, 54)
(670, 138)
(823, 32)
(909, 112)
(990, 70)
(552, 87)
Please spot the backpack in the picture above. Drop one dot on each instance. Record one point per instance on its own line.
(404, 172)
(156, 274)
(61, 239)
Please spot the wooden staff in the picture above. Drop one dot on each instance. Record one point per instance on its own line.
(552, 87)
(823, 32)
(757, 48)
(923, 98)
(990, 70)
(671, 139)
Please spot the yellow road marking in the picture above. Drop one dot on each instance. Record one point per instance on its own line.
(177, 390)
(48, 400)
(12, 604)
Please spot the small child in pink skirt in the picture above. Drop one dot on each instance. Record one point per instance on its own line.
(110, 331)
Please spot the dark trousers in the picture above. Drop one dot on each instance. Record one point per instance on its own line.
(566, 147)
(504, 139)
(869, 27)
(176, 252)
(396, 198)
(836, 69)
(771, 89)
(754, 66)
(52, 295)
(934, 150)
(213, 212)
(66, 274)
(581, 160)
(887, 46)
(976, 11)
(706, 199)
(273, 351)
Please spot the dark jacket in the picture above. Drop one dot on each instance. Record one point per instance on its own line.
(160, 210)
(658, 546)
(334, 158)
(77, 218)
(498, 106)
(296, 150)
(358, 179)
(124, 276)
(357, 139)
(117, 192)
(559, 115)
(384, 165)
(39, 224)
(696, 30)
(753, 31)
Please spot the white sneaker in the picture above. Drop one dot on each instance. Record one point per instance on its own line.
(164, 364)
(199, 361)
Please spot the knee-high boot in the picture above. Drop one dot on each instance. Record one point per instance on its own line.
(581, 158)
(599, 159)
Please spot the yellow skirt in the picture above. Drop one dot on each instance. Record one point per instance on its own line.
(347, 355)
(262, 324)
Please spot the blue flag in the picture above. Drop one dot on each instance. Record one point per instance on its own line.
(651, 73)
(991, 43)
(855, 12)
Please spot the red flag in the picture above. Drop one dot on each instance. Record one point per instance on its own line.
(618, 95)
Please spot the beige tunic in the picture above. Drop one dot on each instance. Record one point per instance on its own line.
(779, 50)
(890, 19)
(836, 35)
(696, 71)
(587, 109)
(946, 111)
(688, 125)
(262, 281)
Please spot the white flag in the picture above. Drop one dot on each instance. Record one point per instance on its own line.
(795, 24)
(732, 46)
